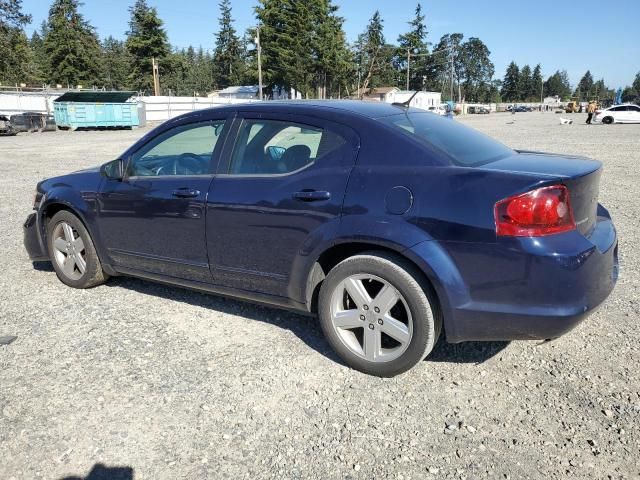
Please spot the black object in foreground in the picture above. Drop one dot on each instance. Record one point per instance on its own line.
(6, 340)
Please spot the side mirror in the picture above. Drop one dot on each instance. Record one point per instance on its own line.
(113, 170)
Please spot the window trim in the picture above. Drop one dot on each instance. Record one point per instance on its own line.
(168, 133)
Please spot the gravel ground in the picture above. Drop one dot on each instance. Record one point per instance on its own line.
(176, 384)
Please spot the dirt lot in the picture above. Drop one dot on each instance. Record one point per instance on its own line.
(175, 384)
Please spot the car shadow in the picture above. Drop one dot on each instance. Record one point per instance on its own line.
(305, 327)
(466, 352)
(101, 472)
(43, 266)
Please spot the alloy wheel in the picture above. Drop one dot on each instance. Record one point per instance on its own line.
(68, 251)
(371, 318)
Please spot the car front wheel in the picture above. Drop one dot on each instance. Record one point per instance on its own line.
(378, 314)
(607, 120)
(72, 252)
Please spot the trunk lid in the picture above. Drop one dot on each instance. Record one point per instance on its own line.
(579, 174)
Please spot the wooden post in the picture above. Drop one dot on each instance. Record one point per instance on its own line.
(156, 77)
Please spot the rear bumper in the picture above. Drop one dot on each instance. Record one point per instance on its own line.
(33, 240)
(528, 289)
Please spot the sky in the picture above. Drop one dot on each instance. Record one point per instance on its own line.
(603, 37)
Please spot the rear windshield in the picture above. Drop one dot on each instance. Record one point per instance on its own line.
(466, 146)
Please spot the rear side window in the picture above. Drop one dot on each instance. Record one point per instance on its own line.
(465, 146)
(274, 147)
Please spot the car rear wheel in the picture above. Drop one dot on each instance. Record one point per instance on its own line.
(378, 314)
(607, 120)
(72, 252)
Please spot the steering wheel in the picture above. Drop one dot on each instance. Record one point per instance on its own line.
(188, 164)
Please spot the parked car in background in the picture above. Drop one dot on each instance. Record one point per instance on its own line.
(482, 110)
(391, 224)
(6, 129)
(438, 110)
(625, 113)
(33, 122)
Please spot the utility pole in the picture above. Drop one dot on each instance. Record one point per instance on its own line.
(156, 77)
(259, 47)
(408, 65)
(451, 93)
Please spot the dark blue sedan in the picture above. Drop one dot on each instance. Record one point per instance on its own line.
(393, 225)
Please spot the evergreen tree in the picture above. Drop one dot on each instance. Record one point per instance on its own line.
(585, 86)
(374, 57)
(477, 70)
(449, 51)
(303, 46)
(227, 58)
(511, 84)
(36, 42)
(558, 84)
(525, 84)
(116, 64)
(71, 46)
(415, 43)
(146, 39)
(286, 33)
(438, 66)
(333, 61)
(536, 83)
(16, 58)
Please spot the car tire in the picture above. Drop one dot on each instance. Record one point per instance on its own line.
(75, 260)
(607, 120)
(402, 333)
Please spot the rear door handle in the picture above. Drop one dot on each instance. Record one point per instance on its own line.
(185, 192)
(312, 196)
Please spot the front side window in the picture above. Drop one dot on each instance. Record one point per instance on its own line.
(274, 147)
(184, 150)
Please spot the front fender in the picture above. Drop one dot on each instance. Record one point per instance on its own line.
(81, 203)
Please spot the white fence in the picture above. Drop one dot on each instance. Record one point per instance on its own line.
(20, 102)
(157, 109)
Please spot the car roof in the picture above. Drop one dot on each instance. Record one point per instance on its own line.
(363, 108)
(623, 105)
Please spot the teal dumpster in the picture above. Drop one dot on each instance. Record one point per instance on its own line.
(96, 109)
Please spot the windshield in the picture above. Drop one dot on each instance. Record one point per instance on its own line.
(466, 146)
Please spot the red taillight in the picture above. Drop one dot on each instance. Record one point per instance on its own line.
(540, 212)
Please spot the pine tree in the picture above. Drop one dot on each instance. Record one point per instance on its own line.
(227, 58)
(585, 86)
(536, 83)
(511, 84)
(374, 56)
(146, 39)
(525, 84)
(558, 84)
(116, 64)
(333, 61)
(16, 58)
(477, 70)
(36, 42)
(414, 42)
(71, 46)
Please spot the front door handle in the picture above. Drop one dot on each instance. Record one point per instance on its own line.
(312, 195)
(185, 192)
